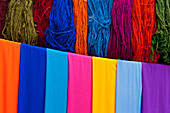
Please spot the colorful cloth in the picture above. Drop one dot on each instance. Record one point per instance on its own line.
(32, 79)
(128, 87)
(9, 76)
(80, 84)
(104, 85)
(156, 88)
(56, 82)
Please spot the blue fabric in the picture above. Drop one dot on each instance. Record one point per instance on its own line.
(99, 24)
(56, 82)
(128, 87)
(32, 79)
(60, 34)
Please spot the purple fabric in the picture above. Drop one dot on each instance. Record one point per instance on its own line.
(120, 45)
(156, 88)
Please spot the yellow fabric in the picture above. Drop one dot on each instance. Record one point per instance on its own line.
(104, 85)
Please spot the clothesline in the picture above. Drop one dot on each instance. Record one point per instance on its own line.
(42, 80)
(85, 55)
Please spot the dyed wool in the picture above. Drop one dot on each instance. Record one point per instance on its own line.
(120, 45)
(61, 33)
(143, 26)
(100, 15)
(161, 39)
(41, 11)
(81, 21)
(3, 10)
(19, 24)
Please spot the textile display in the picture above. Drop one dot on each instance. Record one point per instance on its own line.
(32, 79)
(80, 84)
(104, 85)
(56, 82)
(128, 87)
(43, 80)
(9, 76)
(156, 88)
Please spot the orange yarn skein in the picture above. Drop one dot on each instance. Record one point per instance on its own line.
(144, 27)
(80, 20)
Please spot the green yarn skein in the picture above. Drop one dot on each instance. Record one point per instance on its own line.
(161, 39)
(19, 24)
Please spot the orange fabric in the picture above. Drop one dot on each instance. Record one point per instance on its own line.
(144, 27)
(9, 76)
(80, 20)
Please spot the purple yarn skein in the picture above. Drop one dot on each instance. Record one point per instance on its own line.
(120, 45)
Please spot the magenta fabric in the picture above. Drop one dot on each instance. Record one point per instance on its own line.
(79, 84)
(156, 88)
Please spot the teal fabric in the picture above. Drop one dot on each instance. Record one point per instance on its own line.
(128, 87)
(56, 82)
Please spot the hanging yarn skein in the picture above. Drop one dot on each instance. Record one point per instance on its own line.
(19, 24)
(61, 32)
(80, 20)
(144, 27)
(120, 45)
(41, 11)
(100, 16)
(3, 10)
(161, 39)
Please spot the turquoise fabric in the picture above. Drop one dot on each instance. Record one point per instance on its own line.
(128, 87)
(56, 82)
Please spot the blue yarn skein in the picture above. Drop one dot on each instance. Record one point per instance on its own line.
(99, 24)
(61, 32)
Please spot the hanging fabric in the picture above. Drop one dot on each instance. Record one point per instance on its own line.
(3, 10)
(56, 82)
(104, 85)
(161, 39)
(120, 45)
(80, 84)
(61, 32)
(9, 76)
(144, 27)
(81, 21)
(156, 88)
(128, 87)
(32, 79)
(100, 17)
(19, 24)
(41, 11)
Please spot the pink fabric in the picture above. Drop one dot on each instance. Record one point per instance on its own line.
(79, 84)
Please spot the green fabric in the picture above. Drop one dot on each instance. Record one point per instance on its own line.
(161, 39)
(19, 24)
